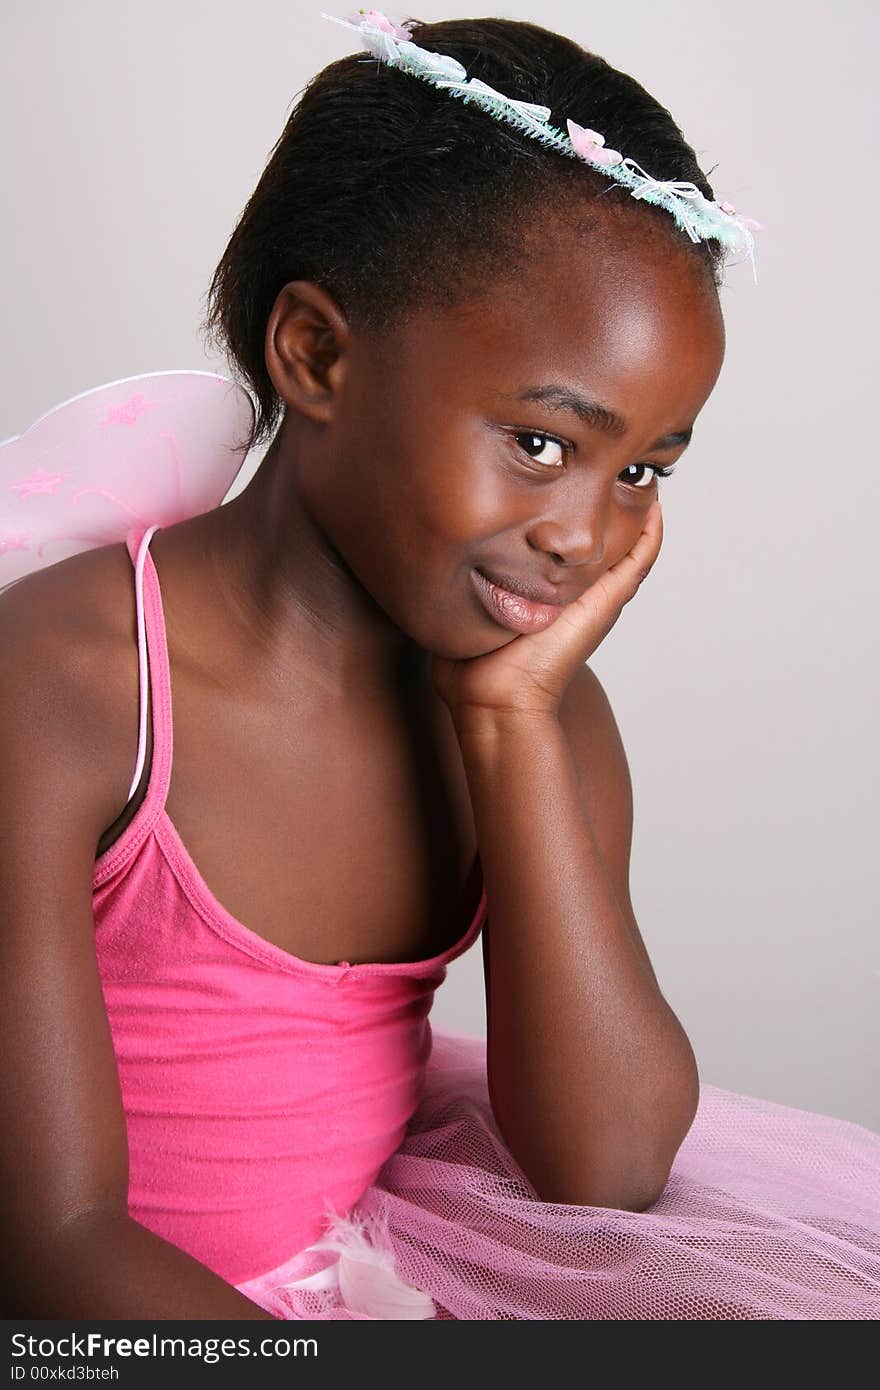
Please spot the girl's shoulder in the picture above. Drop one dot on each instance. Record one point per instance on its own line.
(86, 594)
(68, 634)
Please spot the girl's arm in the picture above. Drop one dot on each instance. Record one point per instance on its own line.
(105, 1265)
(70, 1249)
(592, 1079)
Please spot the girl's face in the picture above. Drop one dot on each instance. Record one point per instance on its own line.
(520, 437)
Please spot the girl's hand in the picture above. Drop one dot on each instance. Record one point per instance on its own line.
(530, 675)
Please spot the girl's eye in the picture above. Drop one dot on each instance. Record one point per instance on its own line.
(540, 441)
(656, 472)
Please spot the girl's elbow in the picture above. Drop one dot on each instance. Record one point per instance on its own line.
(629, 1195)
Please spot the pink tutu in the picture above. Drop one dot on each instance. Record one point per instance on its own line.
(769, 1213)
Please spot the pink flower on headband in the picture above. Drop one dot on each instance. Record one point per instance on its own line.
(746, 221)
(590, 144)
(381, 22)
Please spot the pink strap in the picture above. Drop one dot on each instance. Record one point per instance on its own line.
(151, 639)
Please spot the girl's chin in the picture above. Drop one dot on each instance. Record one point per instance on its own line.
(471, 651)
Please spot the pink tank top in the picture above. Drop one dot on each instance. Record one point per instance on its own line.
(257, 1086)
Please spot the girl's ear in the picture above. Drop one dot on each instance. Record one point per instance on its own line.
(306, 340)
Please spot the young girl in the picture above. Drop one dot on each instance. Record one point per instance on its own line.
(372, 736)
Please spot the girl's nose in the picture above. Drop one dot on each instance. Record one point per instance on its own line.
(572, 540)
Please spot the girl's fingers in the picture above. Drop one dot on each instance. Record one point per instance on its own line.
(580, 627)
(636, 565)
(532, 672)
(622, 581)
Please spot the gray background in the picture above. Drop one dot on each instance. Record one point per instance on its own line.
(744, 676)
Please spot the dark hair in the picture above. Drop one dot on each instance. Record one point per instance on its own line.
(392, 194)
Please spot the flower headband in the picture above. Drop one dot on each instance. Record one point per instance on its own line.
(695, 214)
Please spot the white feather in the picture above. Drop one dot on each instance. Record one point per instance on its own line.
(364, 1271)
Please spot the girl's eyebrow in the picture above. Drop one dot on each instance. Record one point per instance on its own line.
(591, 412)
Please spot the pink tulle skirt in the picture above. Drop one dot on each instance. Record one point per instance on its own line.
(770, 1212)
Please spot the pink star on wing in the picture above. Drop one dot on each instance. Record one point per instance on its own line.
(10, 542)
(128, 412)
(39, 482)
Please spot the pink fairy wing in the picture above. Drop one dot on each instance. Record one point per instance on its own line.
(149, 450)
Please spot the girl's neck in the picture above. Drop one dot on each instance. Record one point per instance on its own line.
(287, 600)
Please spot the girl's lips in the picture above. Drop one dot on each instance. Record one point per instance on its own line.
(510, 610)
